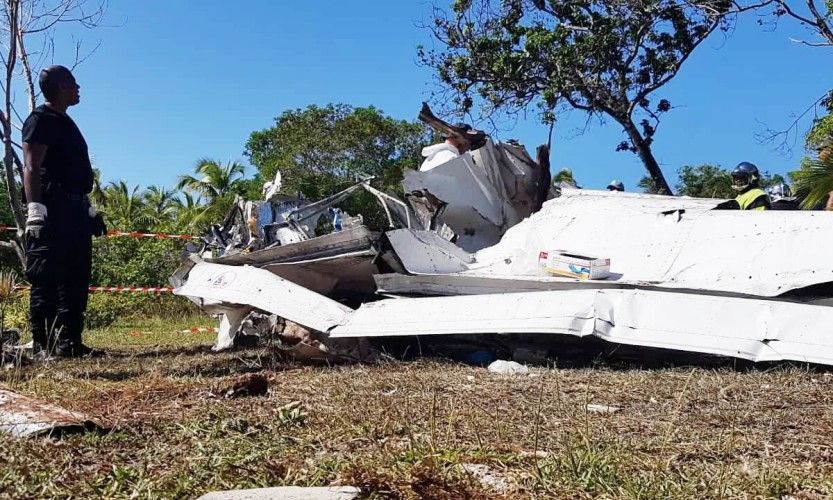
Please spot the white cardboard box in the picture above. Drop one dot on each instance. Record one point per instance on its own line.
(561, 263)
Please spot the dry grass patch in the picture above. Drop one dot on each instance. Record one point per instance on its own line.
(417, 430)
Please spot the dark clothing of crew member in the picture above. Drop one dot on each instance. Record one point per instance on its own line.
(58, 263)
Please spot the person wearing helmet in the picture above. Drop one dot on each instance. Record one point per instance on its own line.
(746, 181)
(450, 148)
(782, 198)
(778, 191)
(616, 186)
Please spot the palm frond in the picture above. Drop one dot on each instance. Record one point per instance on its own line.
(814, 182)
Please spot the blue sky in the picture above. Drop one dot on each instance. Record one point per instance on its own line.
(176, 80)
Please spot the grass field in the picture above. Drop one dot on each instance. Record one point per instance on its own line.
(423, 429)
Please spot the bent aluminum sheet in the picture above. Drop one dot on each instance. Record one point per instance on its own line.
(349, 240)
(754, 329)
(486, 192)
(246, 285)
(667, 242)
(22, 416)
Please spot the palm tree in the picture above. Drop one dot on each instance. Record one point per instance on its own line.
(124, 207)
(213, 180)
(190, 213)
(97, 194)
(160, 203)
(814, 181)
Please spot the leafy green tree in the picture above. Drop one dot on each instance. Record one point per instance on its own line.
(564, 175)
(820, 136)
(646, 184)
(707, 181)
(320, 150)
(604, 57)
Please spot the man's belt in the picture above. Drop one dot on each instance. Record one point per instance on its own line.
(57, 195)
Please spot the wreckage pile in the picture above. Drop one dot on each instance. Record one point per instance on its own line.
(464, 257)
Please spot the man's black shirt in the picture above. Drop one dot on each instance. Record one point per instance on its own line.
(66, 167)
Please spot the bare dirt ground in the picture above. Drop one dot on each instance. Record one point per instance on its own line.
(420, 429)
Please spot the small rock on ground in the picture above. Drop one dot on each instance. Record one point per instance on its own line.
(593, 408)
(488, 478)
(503, 366)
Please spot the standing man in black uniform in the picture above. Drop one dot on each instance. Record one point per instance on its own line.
(60, 219)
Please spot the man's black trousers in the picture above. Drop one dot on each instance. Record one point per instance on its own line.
(58, 267)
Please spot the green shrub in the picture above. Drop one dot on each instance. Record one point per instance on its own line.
(104, 309)
(135, 261)
(16, 312)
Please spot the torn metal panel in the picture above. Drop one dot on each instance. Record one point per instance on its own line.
(483, 192)
(754, 329)
(22, 416)
(350, 240)
(347, 274)
(427, 251)
(231, 318)
(246, 285)
(341, 263)
(474, 208)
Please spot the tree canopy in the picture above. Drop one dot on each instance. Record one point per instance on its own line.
(707, 181)
(605, 57)
(320, 149)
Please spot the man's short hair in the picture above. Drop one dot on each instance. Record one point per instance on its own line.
(51, 78)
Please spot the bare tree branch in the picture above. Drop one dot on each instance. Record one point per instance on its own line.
(811, 44)
(785, 139)
(27, 71)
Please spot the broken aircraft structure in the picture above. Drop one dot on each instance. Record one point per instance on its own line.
(462, 257)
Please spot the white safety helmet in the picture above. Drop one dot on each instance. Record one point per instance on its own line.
(778, 191)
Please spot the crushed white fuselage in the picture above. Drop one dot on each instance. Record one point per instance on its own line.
(684, 276)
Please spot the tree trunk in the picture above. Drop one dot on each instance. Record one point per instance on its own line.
(13, 12)
(643, 149)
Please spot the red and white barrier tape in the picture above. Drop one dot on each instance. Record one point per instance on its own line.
(193, 329)
(136, 234)
(199, 329)
(129, 234)
(120, 289)
(132, 289)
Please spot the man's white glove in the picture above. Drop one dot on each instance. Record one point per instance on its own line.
(35, 219)
(99, 227)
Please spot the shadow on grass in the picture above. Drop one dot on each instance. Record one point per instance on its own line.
(567, 352)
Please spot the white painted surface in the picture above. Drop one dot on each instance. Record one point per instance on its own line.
(668, 242)
(754, 329)
(246, 285)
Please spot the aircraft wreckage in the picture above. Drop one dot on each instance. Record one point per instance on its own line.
(466, 254)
